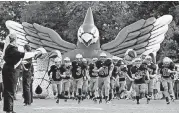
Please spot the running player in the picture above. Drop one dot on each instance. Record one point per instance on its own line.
(66, 71)
(166, 71)
(56, 78)
(139, 73)
(152, 68)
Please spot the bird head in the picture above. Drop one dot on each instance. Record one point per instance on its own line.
(88, 32)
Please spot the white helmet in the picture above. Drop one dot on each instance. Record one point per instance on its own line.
(148, 57)
(166, 59)
(79, 56)
(57, 59)
(103, 54)
(66, 59)
(84, 60)
(94, 59)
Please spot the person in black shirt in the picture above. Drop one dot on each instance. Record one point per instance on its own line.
(167, 70)
(56, 78)
(128, 58)
(105, 68)
(93, 73)
(66, 70)
(11, 57)
(78, 72)
(139, 73)
(152, 68)
(28, 71)
(114, 80)
(122, 78)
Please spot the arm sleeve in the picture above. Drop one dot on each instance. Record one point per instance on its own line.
(14, 52)
(51, 68)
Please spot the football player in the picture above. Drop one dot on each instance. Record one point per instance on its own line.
(78, 73)
(56, 78)
(139, 73)
(105, 67)
(152, 68)
(66, 70)
(167, 70)
(93, 73)
(114, 80)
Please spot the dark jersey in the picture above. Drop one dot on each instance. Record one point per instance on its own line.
(55, 73)
(152, 69)
(78, 70)
(164, 70)
(115, 72)
(139, 73)
(66, 70)
(122, 76)
(91, 72)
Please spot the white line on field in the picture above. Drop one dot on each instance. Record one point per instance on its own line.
(83, 108)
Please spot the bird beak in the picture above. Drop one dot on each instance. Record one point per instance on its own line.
(87, 39)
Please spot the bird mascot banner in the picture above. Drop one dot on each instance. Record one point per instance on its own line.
(143, 36)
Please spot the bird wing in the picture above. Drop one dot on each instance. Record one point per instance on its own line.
(143, 36)
(38, 36)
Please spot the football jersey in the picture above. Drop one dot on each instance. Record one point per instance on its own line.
(91, 72)
(115, 72)
(164, 70)
(77, 70)
(140, 73)
(55, 73)
(152, 69)
(66, 70)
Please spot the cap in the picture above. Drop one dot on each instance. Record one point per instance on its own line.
(103, 54)
(79, 56)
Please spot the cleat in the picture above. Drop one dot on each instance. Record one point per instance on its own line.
(138, 102)
(168, 102)
(108, 102)
(148, 100)
(100, 101)
(57, 101)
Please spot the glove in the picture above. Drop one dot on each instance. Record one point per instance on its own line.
(21, 49)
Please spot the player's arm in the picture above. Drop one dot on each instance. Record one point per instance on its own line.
(111, 70)
(147, 74)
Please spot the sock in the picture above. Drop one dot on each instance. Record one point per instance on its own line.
(59, 96)
(110, 96)
(106, 97)
(137, 98)
(167, 99)
(80, 91)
